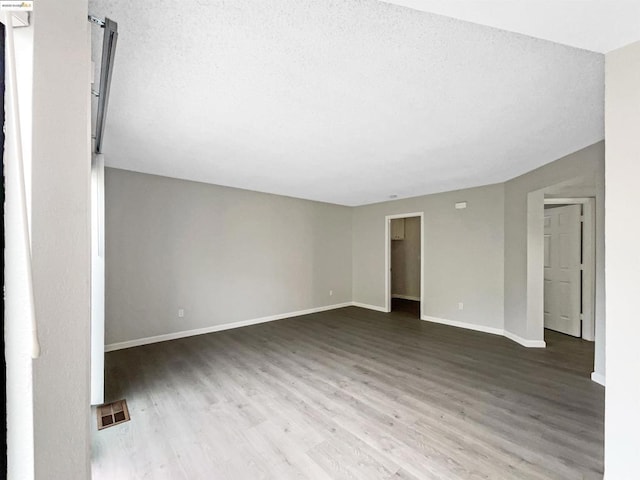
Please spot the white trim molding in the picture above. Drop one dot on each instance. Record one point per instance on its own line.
(405, 297)
(567, 200)
(485, 329)
(217, 328)
(525, 342)
(254, 321)
(369, 307)
(468, 326)
(599, 378)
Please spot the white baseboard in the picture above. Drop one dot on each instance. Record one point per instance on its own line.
(405, 297)
(468, 326)
(598, 378)
(369, 307)
(217, 328)
(482, 328)
(524, 342)
(254, 321)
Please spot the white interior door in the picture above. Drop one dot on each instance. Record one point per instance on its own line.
(562, 271)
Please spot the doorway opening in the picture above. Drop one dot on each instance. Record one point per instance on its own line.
(569, 280)
(591, 198)
(569, 266)
(404, 235)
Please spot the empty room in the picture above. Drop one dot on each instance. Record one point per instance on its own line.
(316, 239)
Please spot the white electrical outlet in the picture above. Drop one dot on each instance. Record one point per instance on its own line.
(460, 306)
(181, 312)
(331, 293)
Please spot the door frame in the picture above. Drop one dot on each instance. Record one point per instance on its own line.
(387, 257)
(588, 260)
(97, 279)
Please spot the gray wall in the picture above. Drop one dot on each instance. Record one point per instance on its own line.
(222, 254)
(622, 117)
(227, 255)
(405, 260)
(463, 254)
(585, 167)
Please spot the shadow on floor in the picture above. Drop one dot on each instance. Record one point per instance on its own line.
(409, 307)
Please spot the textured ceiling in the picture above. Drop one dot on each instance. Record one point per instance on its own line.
(597, 25)
(341, 101)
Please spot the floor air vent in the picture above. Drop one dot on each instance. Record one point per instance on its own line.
(113, 413)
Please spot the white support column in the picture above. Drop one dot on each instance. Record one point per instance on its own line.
(62, 238)
(622, 171)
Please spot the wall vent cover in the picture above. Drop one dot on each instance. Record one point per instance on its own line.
(113, 413)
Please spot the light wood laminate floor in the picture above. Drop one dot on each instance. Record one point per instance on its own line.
(353, 394)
